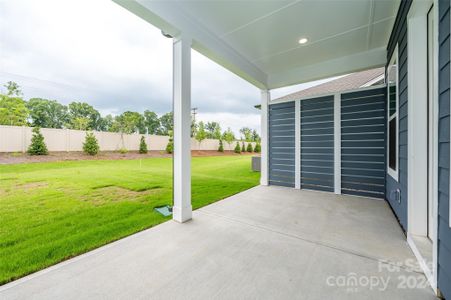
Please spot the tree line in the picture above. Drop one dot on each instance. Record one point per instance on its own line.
(45, 113)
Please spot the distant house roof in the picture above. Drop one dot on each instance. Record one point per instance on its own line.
(348, 82)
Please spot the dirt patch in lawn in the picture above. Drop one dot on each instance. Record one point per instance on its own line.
(114, 193)
(18, 158)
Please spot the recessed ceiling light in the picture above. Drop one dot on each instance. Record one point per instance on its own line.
(303, 40)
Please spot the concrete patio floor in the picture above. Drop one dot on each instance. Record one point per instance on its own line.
(264, 243)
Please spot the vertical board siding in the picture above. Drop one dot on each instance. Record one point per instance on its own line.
(399, 37)
(363, 119)
(317, 144)
(281, 144)
(444, 231)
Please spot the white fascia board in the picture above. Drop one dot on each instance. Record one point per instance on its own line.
(169, 17)
(344, 65)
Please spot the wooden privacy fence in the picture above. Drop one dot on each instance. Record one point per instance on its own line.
(18, 138)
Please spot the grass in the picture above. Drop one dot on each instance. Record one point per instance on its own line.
(50, 212)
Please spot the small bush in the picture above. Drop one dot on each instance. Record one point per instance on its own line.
(243, 147)
(90, 146)
(221, 146)
(237, 148)
(123, 150)
(170, 147)
(142, 145)
(257, 148)
(249, 147)
(37, 146)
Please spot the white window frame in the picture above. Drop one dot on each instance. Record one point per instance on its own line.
(393, 173)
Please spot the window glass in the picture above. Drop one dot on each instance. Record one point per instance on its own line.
(392, 126)
(392, 87)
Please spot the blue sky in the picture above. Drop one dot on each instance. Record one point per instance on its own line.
(97, 52)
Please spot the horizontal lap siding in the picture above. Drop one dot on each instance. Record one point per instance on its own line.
(317, 144)
(281, 144)
(363, 119)
(444, 231)
(399, 37)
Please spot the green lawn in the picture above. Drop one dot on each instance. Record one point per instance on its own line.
(53, 211)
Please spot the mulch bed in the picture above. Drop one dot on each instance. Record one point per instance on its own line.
(18, 158)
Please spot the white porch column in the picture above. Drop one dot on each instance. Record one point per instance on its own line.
(182, 210)
(265, 98)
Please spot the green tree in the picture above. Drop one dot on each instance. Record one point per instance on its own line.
(37, 146)
(128, 122)
(221, 146)
(201, 134)
(194, 127)
(213, 130)
(228, 137)
(255, 136)
(243, 147)
(257, 148)
(246, 134)
(13, 89)
(13, 111)
(79, 110)
(47, 113)
(106, 123)
(151, 122)
(237, 148)
(170, 145)
(167, 123)
(249, 147)
(90, 146)
(80, 123)
(143, 145)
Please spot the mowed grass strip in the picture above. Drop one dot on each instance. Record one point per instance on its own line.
(50, 212)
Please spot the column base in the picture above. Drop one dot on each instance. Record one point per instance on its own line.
(182, 214)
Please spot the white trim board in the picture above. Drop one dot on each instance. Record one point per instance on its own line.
(337, 144)
(297, 145)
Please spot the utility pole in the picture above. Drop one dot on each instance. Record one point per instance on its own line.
(194, 113)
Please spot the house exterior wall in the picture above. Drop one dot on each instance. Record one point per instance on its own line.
(363, 151)
(281, 147)
(444, 230)
(317, 144)
(399, 37)
(353, 122)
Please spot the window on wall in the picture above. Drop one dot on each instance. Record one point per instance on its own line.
(393, 119)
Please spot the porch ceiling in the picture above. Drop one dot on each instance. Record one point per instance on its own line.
(258, 40)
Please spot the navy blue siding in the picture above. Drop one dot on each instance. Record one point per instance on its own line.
(281, 144)
(444, 231)
(317, 144)
(363, 118)
(399, 37)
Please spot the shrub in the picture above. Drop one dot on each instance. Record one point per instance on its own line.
(221, 146)
(257, 148)
(142, 145)
(237, 148)
(243, 147)
(37, 146)
(249, 147)
(170, 146)
(90, 146)
(123, 150)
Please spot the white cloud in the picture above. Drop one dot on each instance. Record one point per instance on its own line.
(96, 51)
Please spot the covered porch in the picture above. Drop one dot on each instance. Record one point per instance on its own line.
(268, 242)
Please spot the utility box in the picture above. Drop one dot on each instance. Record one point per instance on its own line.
(256, 163)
